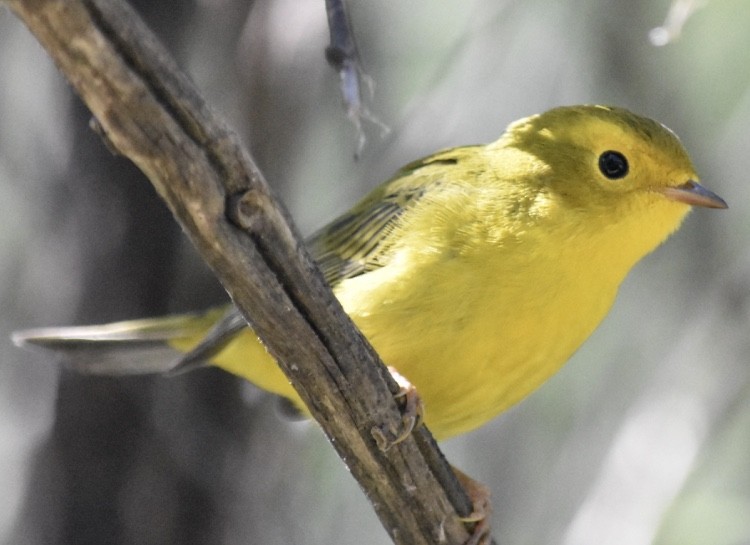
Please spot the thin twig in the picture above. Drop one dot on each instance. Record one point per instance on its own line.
(343, 56)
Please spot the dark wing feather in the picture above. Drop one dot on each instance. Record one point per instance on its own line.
(360, 240)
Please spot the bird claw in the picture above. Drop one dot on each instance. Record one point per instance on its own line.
(412, 409)
(411, 412)
(481, 514)
(481, 533)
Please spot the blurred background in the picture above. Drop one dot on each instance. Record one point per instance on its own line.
(643, 438)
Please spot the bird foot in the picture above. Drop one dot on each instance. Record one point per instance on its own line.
(411, 412)
(481, 514)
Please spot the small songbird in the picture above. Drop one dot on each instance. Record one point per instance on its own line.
(475, 272)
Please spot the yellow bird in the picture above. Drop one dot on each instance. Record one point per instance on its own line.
(475, 272)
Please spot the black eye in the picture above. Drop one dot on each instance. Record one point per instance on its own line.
(613, 165)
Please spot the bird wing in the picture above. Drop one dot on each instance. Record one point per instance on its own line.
(357, 242)
(361, 240)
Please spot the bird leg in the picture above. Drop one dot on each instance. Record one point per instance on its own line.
(481, 513)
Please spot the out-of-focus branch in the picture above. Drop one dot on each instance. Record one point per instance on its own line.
(343, 56)
(679, 13)
(151, 113)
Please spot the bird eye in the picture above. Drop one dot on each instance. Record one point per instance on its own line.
(613, 165)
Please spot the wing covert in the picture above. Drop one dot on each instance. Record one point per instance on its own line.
(360, 240)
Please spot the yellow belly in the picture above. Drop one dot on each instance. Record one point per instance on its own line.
(471, 355)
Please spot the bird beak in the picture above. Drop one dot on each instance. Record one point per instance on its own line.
(694, 194)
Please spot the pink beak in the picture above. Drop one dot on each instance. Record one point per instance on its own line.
(694, 194)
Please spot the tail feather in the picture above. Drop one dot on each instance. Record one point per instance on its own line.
(214, 341)
(134, 347)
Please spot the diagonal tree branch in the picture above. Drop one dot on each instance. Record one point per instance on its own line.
(151, 113)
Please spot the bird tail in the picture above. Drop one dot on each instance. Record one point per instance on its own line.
(135, 347)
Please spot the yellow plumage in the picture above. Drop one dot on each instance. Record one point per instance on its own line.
(476, 272)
